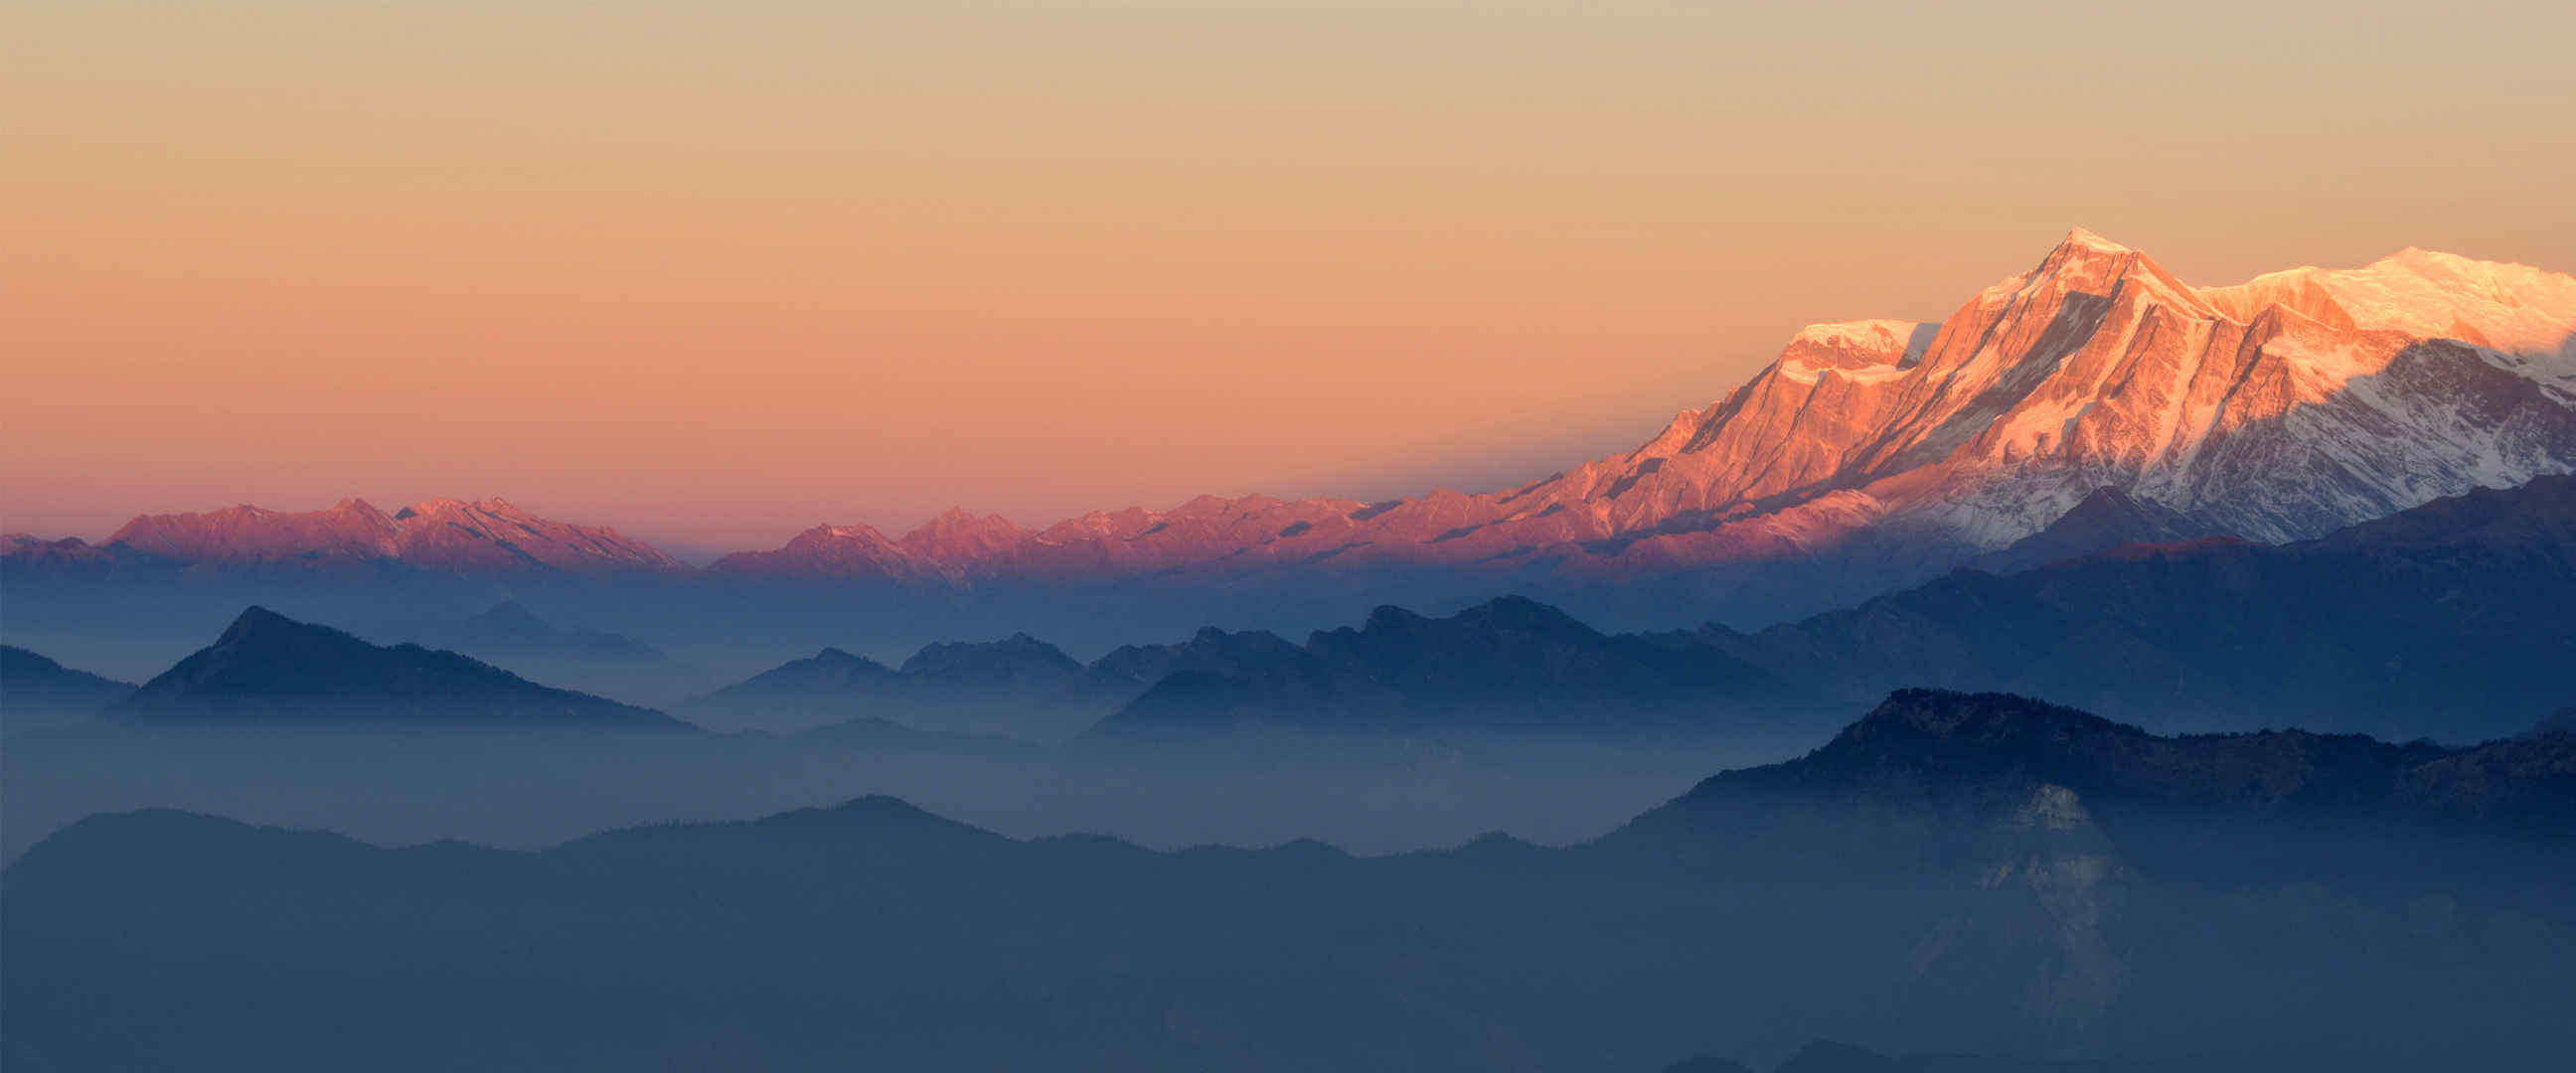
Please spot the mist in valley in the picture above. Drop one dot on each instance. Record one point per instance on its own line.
(532, 790)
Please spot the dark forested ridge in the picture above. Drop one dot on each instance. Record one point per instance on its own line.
(2448, 620)
(1972, 874)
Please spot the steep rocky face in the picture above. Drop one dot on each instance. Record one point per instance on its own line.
(830, 686)
(441, 534)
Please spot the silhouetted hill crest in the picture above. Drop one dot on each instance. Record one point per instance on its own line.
(266, 668)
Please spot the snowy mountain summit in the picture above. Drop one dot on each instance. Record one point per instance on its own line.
(2279, 408)
(1877, 452)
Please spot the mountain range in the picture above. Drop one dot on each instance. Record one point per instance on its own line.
(1018, 687)
(1963, 873)
(448, 535)
(1870, 454)
(2442, 620)
(270, 671)
(2445, 621)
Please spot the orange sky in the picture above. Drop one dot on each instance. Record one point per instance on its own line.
(713, 277)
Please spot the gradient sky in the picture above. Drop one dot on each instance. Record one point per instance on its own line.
(713, 273)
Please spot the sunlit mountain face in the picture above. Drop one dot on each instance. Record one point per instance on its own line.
(2280, 408)
(2310, 540)
(1463, 536)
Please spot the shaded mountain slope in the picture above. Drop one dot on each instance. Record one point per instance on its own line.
(2445, 620)
(1508, 664)
(269, 670)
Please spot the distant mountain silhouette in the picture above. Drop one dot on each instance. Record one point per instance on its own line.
(2441, 621)
(1966, 874)
(1869, 455)
(511, 625)
(1928, 752)
(829, 686)
(1018, 686)
(1127, 672)
(36, 691)
(269, 670)
(2446, 620)
(1018, 663)
(514, 636)
(1511, 663)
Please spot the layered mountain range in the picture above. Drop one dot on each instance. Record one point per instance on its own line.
(2445, 620)
(1972, 873)
(2276, 409)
